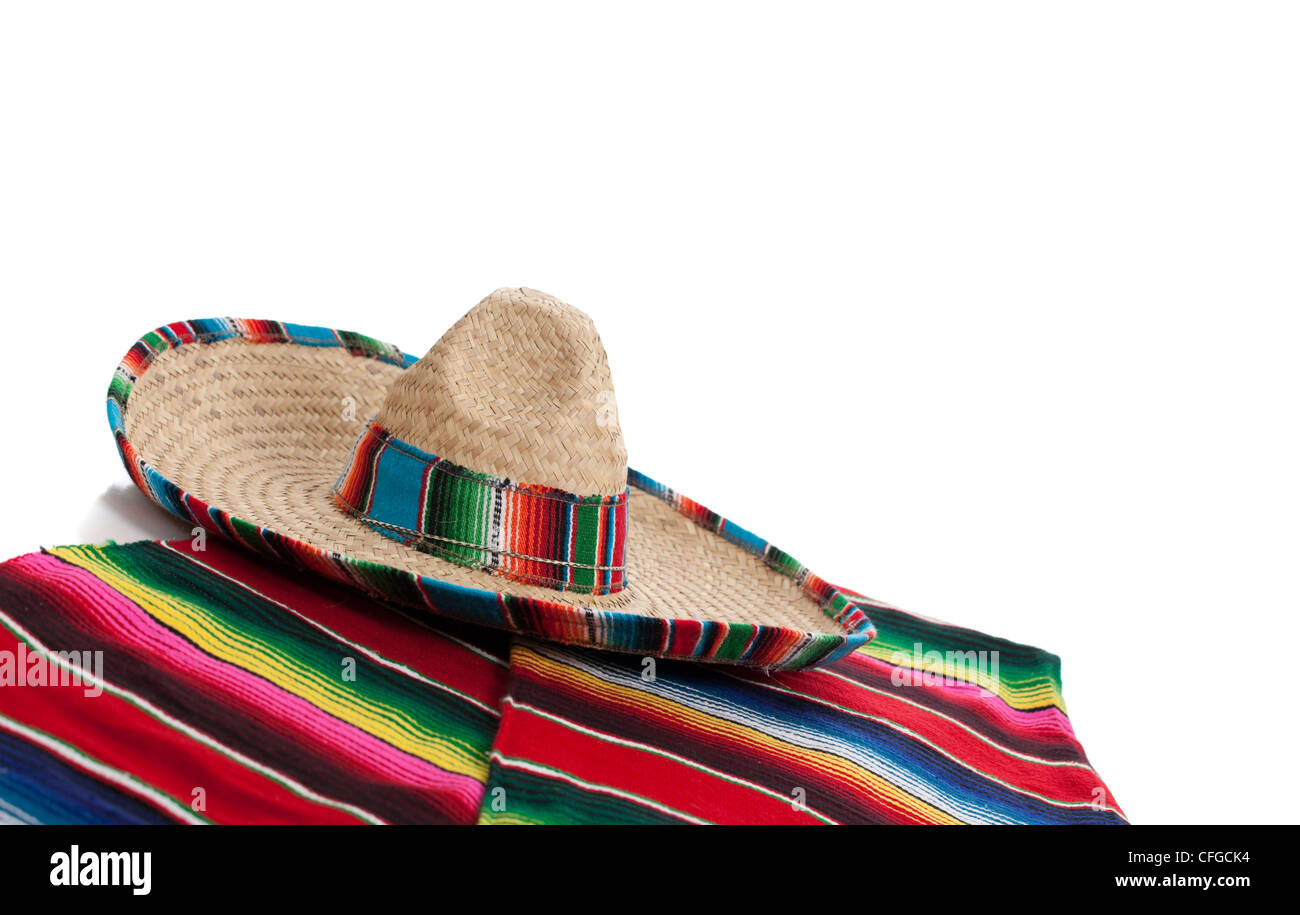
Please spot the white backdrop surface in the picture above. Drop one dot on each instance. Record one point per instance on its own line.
(987, 310)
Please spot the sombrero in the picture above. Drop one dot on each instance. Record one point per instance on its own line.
(487, 481)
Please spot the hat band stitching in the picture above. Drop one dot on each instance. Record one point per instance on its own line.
(352, 510)
(431, 545)
(433, 548)
(533, 491)
(525, 532)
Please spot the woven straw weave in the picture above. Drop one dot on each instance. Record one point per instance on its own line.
(518, 388)
(515, 389)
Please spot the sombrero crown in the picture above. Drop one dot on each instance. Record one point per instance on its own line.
(487, 481)
(500, 450)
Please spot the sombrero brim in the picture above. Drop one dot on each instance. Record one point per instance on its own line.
(243, 426)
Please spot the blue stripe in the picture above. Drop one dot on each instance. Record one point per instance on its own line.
(38, 787)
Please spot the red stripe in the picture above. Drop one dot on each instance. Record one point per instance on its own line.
(174, 763)
(674, 784)
(685, 638)
(357, 619)
(794, 765)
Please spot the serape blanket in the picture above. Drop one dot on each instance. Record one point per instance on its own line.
(188, 681)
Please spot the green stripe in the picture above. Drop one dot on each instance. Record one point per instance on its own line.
(586, 525)
(549, 798)
(200, 737)
(1021, 668)
(229, 610)
(738, 637)
(119, 388)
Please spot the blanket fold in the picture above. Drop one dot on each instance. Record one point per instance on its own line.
(156, 682)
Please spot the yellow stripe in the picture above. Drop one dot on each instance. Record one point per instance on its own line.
(859, 781)
(391, 725)
(1022, 695)
(504, 818)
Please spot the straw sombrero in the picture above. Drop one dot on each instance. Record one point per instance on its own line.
(487, 482)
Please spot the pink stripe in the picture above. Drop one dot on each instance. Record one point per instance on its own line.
(121, 619)
(1048, 724)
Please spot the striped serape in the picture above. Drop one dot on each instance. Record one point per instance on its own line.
(234, 690)
(588, 737)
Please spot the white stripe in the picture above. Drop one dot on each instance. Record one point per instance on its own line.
(190, 731)
(511, 763)
(657, 751)
(103, 771)
(362, 649)
(809, 737)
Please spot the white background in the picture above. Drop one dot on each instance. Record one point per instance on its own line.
(1010, 289)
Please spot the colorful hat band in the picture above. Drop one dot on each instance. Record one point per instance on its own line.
(528, 533)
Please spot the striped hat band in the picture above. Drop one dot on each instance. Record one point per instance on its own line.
(530, 533)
